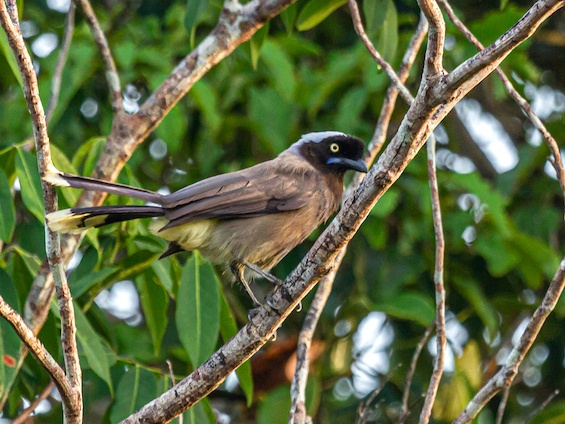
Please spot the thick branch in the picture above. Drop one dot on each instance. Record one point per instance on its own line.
(298, 389)
(416, 127)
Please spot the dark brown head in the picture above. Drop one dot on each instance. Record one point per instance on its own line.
(331, 151)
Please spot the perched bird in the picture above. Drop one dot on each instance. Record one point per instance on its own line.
(250, 218)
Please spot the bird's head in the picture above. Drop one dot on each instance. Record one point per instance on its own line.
(331, 151)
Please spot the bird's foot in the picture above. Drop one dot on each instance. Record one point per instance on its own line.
(266, 275)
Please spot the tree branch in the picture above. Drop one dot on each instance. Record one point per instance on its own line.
(68, 394)
(73, 408)
(298, 388)
(111, 71)
(508, 371)
(61, 59)
(422, 117)
(438, 282)
(557, 161)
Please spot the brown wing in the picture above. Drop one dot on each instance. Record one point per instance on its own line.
(262, 189)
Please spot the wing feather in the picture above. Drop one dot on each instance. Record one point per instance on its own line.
(262, 189)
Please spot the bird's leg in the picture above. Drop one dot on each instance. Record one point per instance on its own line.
(266, 275)
(237, 268)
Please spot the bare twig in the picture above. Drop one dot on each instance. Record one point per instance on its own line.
(363, 409)
(173, 382)
(358, 25)
(405, 412)
(73, 406)
(542, 406)
(433, 67)
(112, 76)
(507, 373)
(439, 285)
(29, 410)
(61, 59)
(417, 125)
(298, 388)
(502, 405)
(557, 161)
(40, 353)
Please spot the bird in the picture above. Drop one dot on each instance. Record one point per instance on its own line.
(247, 220)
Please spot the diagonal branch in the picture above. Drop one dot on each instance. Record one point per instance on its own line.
(298, 388)
(111, 71)
(37, 349)
(422, 117)
(508, 371)
(557, 161)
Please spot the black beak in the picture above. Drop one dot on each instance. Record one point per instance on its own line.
(355, 165)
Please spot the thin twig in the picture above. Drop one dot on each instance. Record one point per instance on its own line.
(180, 418)
(433, 65)
(542, 406)
(358, 25)
(415, 128)
(405, 412)
(502, 405)
(557, 160)
(112, 76)
(21, 419)
(298, 387)
(73, 405)
(439, 285)
(363, 409)
(61, 60)
(39, 352)
(508, 371)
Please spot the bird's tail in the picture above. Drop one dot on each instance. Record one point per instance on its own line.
(61, 179)
(76, 220)
(79, 219)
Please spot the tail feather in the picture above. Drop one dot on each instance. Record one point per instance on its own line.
(76, 220)
(58, 178)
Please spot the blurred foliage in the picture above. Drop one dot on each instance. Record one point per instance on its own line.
(306, 71)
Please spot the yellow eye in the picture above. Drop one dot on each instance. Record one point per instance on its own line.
(334, 147)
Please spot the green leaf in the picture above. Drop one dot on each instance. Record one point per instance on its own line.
(30, 183)
(63, 164)
(273, 116)
(473, 292)
(163, 270)
(155, 304)
(172, 129)
(93, 348)
(281, 70)
(10, 343)
(411, 306)
(274, 407)
(7, 210)
(206, 97)
(315, 11)
(256, 43)
(202, 412)
(198, 309)
(228, 328)
(288, 17)
(195, 12)
(553, 413)
(388, 39)
(89, 280)
(10, 58)
(386, 204)
(136, 388)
